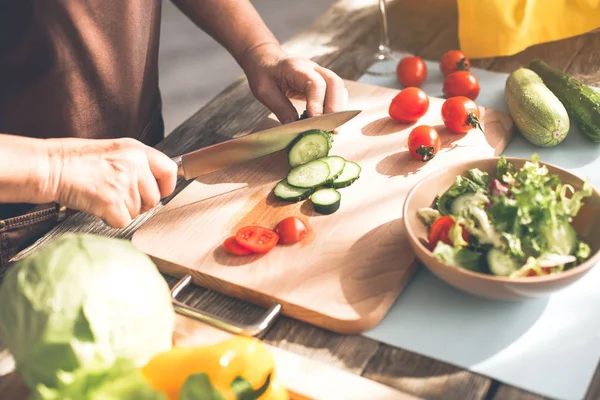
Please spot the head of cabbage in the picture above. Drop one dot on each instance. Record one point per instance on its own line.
(83, 299)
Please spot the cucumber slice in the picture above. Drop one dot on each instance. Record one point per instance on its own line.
(309, 146)
(286, 192)
(309, 175)
(336, 166)
(501, 264)
(348, 176)
(326, 201)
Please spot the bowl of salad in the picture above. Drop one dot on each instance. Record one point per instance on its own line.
(505, 228)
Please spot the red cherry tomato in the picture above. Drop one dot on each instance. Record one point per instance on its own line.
(460, 114)
(257, 238)
(461, 83)
(291, 230)
(440, 229)
(423, 143)
(231, 245)
(411, 71)
(409, 105)
(454, 60)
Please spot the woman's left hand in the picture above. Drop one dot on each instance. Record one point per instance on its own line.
(275, 77)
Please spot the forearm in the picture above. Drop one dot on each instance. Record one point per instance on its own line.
(235, 24)
(25, 166)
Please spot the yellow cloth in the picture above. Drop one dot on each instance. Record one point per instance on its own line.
(491, 28)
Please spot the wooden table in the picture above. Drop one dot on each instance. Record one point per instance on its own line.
(344, 39)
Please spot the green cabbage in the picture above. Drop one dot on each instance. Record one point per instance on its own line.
(81, 300)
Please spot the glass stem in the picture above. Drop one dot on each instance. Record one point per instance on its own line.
(384, 43)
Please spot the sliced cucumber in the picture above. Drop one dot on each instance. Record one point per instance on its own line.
(309, 146)
(309, 175)
(286, 192)
(463, 203)
(326, 201)
(336, 166)
(501, 264)
(348, 176)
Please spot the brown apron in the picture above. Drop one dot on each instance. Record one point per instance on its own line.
(72, 68)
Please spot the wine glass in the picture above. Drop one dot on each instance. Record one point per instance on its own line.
(385, 59)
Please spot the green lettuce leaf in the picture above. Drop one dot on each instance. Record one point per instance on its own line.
(460, 186)
(96, 381)
(480, 177)
(459, 256)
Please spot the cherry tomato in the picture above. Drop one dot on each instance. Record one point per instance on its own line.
(411, 71)
(461, 83)
(423, 143)
(460, 114)
(409, 105)
(257, 238)
(291, 230)
(440, 229)
(454, 60)
(231, 245)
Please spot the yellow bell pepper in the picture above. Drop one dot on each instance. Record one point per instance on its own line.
(238, 357)
(492, 28)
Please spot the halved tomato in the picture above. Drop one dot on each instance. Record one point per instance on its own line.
(291, 230)
(231, 245)
(257, 238)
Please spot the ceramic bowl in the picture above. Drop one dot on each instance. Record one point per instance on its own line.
(587, 225)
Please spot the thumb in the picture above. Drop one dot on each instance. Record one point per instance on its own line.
(278, 103)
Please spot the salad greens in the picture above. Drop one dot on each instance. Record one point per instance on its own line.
(515, 224)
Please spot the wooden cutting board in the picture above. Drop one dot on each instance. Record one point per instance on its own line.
(347, 274)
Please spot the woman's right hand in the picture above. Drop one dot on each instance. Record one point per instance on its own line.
(113, 179)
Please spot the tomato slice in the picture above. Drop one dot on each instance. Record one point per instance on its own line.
(440, 231)
(257, 238)
(291, 230)
(231, 245)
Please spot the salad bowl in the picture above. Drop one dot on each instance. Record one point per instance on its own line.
(490, 277)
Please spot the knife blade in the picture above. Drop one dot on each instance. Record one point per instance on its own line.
(254, 145)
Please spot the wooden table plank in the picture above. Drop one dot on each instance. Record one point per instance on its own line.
(425, 377)
(344, 39)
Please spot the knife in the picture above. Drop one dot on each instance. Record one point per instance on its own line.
(254, 145)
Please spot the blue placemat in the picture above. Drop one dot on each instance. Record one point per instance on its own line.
(548, 346)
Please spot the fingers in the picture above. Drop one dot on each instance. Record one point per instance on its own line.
(149, 192)
(164, 171)
(276, 101)
(305, 79)
(117, 216)
(336, 94)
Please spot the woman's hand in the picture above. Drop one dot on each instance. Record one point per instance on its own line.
(113, 179)
(274, 77)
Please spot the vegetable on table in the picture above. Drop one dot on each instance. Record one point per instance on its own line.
(513, 223)
(581, 101)
(236, 368)
(234, 247)
(256, 238)
(309, 146)
(461, 114)
(313, 170)
(411, 71)
(291, 230)
(536, 111)
(461, 83)
(454, 60)
(69, 305)
(326, 201)
(423, 143)
(409, 105)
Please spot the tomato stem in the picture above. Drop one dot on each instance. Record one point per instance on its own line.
(462, 65)
(426, 153)
(473, 121)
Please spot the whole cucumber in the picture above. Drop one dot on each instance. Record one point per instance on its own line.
(581, 101)
(537, 112)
